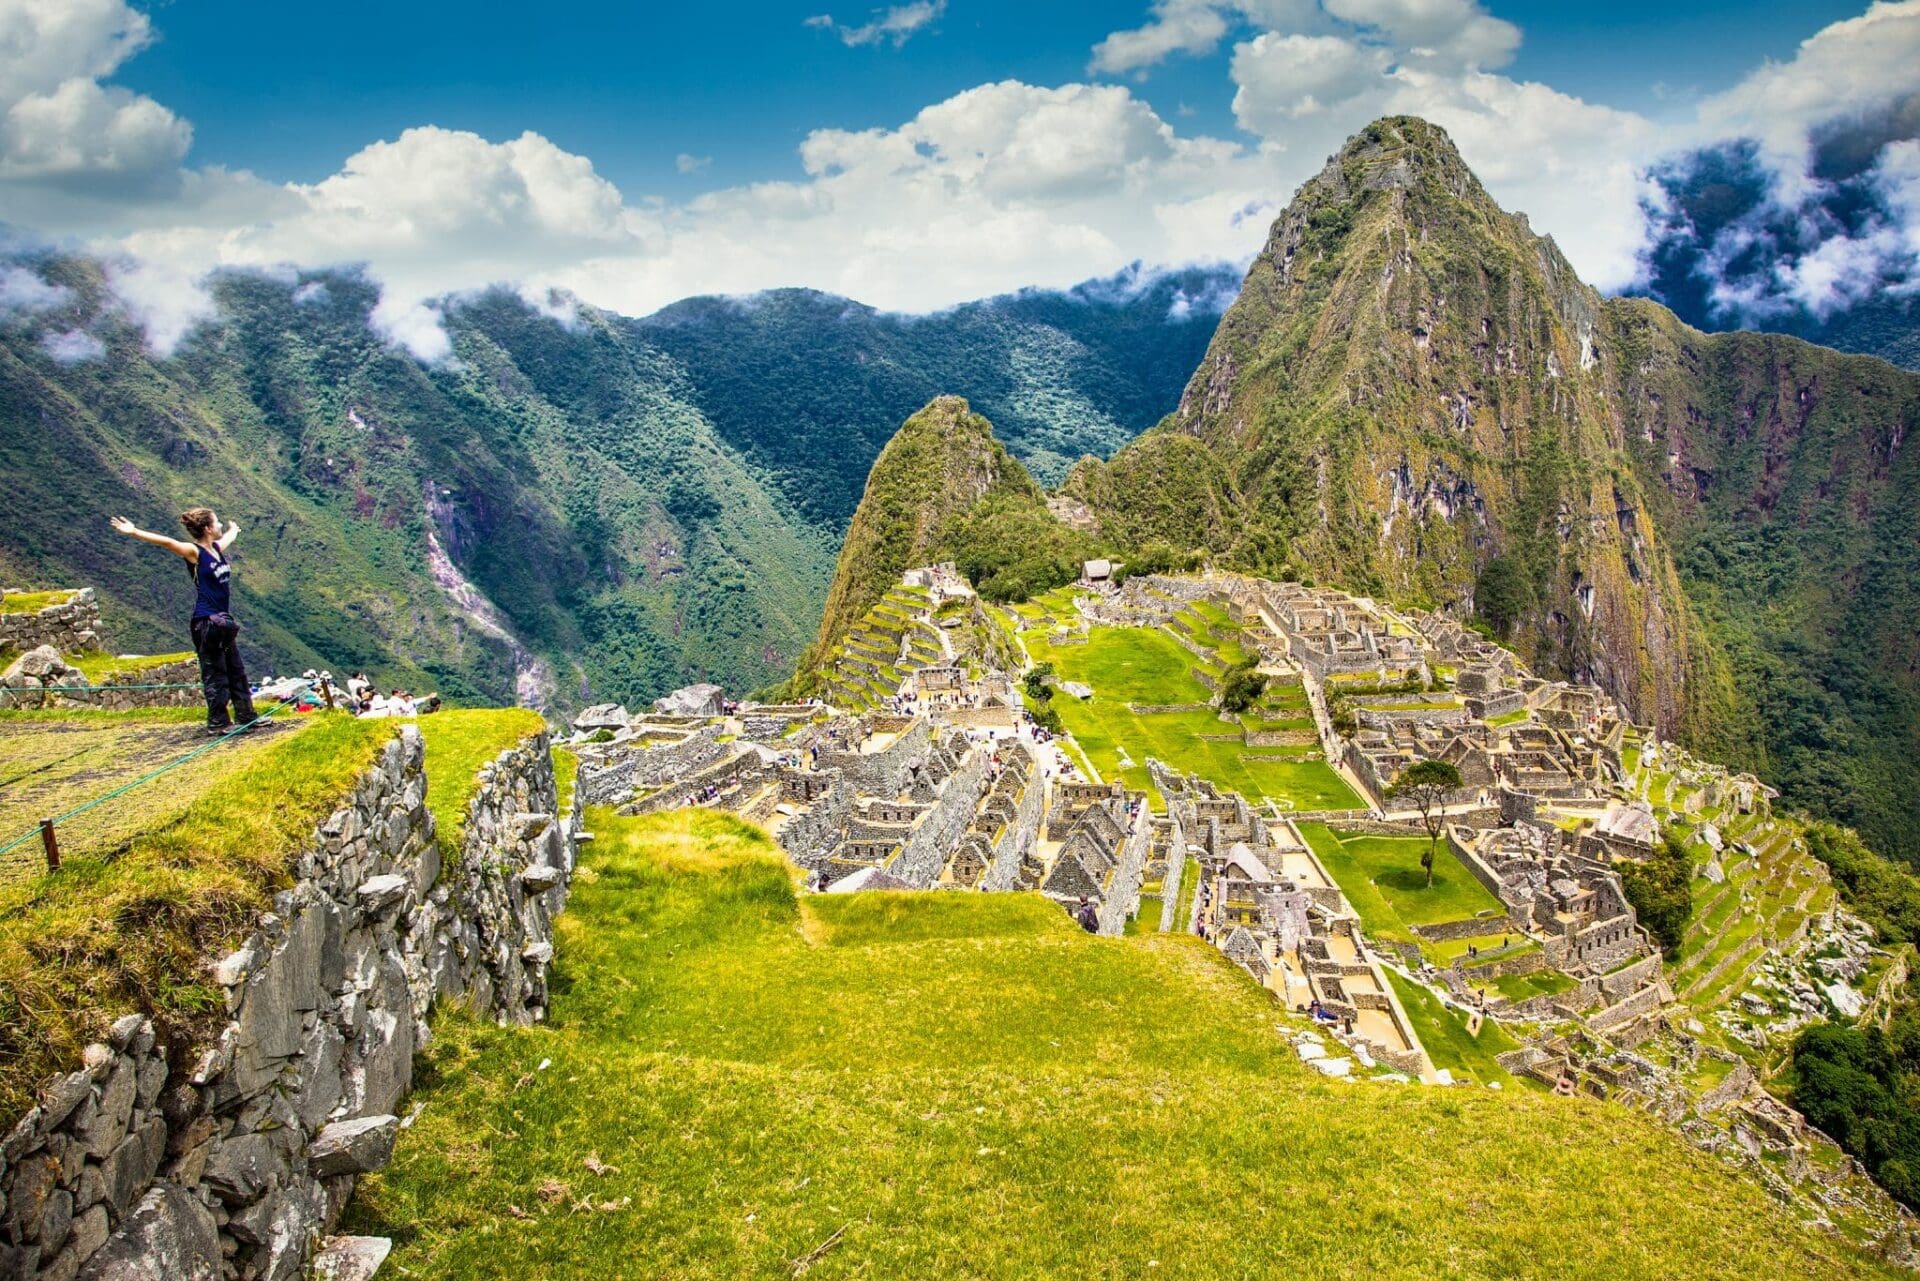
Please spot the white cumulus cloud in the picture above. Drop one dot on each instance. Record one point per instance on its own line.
(58, 122)
(996, 187)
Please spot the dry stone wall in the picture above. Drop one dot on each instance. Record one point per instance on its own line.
(1123, 892)
(614, 780)
(72, 627)
(231, 1158)
(40, 678)
(1018, 836)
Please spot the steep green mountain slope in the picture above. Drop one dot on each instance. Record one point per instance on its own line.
(1406, 399)
(1787, 480)
(944, 488)
(545, 511)
(1415, 396)
(568, 511)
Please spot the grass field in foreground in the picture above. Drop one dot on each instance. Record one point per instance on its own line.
(1381, 877)
(54, 761)
(965, 1085)
(1128, 665)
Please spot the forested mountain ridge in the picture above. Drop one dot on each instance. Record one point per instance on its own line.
(797, 379)
(631, 504)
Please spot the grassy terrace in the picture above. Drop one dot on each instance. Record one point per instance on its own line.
(178, 870)
(124, 670)
(53, 761)
(33, 602)
(1443, 1031)
(1129, 665)
(458, 744)
(900, 1086)
(1381, 877)
(129, 932)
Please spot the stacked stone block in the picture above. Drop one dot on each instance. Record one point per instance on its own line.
(231, 1158)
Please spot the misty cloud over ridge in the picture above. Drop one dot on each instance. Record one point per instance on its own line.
(1791, 198)
(1830, 252)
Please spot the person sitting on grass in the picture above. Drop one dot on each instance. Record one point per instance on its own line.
(223, 678)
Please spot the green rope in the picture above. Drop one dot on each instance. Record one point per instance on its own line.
(34, 831)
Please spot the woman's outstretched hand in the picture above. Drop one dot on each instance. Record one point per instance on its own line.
(121, 525)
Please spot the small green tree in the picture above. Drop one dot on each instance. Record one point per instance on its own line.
(1035, 682)
(1047, 717)
(1661, 891)
(1424, 785)
(1242, 686)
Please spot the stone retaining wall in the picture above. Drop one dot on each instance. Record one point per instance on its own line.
(1122, 899)
(885, 772)
(809, 838)
(622, 771)
(118, 698)
(1018, 837)
(1472, 927)
(72, 627)
(1646, 999)
(230, 1158)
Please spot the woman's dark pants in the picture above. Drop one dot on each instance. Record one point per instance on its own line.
(222, 678)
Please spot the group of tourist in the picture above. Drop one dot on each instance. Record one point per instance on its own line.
(364, 699)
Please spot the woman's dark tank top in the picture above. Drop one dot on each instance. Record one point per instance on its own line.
(211, 579)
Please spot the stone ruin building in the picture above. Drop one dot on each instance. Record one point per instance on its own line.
(1265, 900)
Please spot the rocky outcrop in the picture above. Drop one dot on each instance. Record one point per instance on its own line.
(256, 1136)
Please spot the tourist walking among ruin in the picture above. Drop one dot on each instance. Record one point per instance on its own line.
(223, 679)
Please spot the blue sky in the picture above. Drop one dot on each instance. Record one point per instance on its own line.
(910, 156)
(288, 90)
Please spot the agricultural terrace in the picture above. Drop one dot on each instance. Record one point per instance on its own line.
(966, 1085)
(1128, 666)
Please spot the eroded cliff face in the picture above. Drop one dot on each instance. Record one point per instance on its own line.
(1415, 395)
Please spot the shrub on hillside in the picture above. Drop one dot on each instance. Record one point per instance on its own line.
(1856, 1086)
(1012, 549)
(1158, 558)
(1884, 894)
(1661, 891)
(1035, 682)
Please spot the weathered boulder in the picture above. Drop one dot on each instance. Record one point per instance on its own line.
(351, 1258)
(691, 700)
(43, 664)
(602, 716)
(359, 1146)
(168, 1237)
